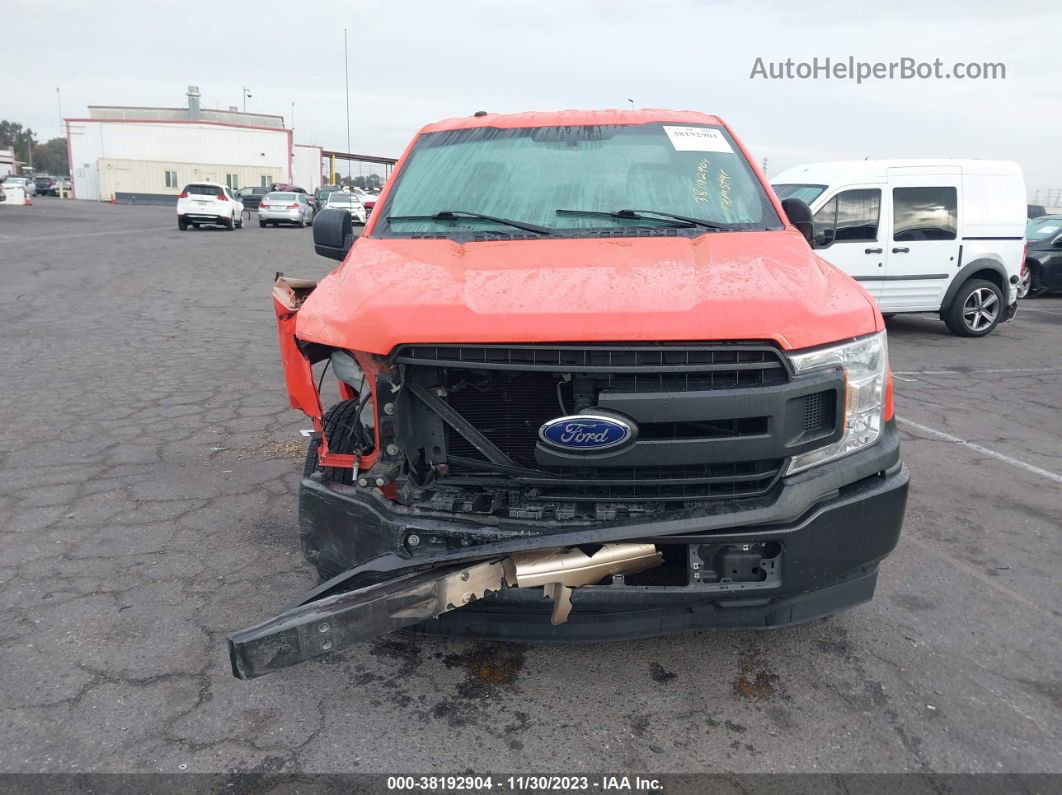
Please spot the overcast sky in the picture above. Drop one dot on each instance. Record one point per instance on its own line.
(414, 61)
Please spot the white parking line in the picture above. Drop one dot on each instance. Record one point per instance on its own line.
(9, 239)
(947, 437)
(980, 372)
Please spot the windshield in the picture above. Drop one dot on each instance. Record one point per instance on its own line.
(806, 193)
(528, 174)
(1043, 228)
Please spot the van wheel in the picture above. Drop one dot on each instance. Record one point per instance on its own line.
(976, 309)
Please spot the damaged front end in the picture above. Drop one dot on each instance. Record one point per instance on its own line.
(434, 497)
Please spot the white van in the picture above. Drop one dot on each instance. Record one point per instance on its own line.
(943, 236)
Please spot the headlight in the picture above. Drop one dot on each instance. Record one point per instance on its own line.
(866, 366)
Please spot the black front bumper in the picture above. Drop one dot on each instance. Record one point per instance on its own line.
(830, 526)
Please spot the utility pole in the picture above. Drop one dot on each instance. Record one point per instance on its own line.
(346, 78)
(59, 100)
(246, 94)
(293, 117)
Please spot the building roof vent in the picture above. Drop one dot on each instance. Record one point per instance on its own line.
(193, 103)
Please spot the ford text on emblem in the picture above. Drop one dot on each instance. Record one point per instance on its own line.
(587, 432)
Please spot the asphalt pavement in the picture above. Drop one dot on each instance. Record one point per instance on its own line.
(149, 467)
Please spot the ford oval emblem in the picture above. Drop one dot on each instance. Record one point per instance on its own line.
(589, 433)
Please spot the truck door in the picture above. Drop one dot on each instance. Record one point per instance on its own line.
(848, 234)
(923, 244)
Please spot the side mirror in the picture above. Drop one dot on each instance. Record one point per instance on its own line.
(333, 234)
(799, 215)
(1058, 242)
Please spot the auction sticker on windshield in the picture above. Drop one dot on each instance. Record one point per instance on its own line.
(697, 139)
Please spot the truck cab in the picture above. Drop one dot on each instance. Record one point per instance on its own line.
(593, 383)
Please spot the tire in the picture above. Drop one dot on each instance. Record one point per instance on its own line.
(182, 224)
(262, 224)
(300, 223)
(230, 223)
(339, 429)
(1036, 282)
(976, 309)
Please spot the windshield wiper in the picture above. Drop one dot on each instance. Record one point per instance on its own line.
(645, 215)
(453, 215)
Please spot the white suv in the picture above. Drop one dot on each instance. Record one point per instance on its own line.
(208, 203)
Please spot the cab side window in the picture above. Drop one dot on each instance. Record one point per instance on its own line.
(849, 217)
(924, 214)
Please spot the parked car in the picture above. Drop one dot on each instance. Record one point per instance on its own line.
(1036, 211)
(65, 184)
(321, 195)
(369, 200)
(45, 185)
(1043, 258)
(942, 236)
(208, 203)
(342, 200)
(251, 197)
(27, 184)
(285, 207)
(635, 390)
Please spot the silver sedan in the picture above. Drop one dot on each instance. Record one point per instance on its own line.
(285, 208)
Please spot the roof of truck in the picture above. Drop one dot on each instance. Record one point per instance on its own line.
(837, 172)
(560, 118)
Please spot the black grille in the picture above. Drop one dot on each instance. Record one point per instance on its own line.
(506, 393)
(818, 412)
(634, 367)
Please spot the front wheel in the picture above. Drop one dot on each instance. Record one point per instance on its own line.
(976, 309)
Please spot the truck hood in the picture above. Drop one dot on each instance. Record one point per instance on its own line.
(717, 286)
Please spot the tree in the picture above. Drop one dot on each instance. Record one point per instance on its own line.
(12, 134)
(50, 158)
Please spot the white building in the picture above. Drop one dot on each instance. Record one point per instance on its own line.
(7, 162)
(148, 155)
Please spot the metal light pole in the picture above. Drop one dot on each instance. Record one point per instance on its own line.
(59, 100)
(246, 95)
(346, 78)
(293, 117)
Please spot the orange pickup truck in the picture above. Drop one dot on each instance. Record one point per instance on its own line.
(593, 383)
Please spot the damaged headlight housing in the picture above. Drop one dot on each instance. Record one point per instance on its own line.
(866, 366)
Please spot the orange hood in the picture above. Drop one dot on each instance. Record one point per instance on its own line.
(717, 286)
